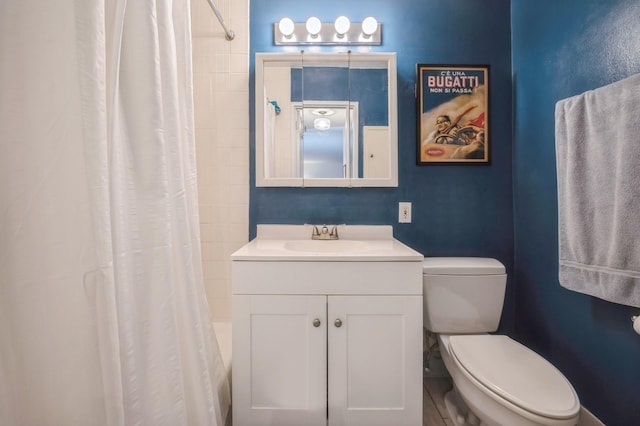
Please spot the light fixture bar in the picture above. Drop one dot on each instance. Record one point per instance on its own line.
(328, 36)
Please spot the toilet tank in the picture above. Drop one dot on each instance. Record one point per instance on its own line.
(463, 295)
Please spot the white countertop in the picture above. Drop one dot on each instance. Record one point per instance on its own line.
(361, 243)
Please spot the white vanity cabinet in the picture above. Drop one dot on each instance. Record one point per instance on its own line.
(320, 341)
(279, 360)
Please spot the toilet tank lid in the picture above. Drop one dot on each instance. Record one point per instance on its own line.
(462, 266)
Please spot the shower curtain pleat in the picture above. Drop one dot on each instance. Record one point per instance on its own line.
(124, 156)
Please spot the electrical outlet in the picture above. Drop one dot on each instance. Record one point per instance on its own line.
(404, 212)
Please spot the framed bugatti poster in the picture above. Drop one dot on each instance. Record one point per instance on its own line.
(453, 114)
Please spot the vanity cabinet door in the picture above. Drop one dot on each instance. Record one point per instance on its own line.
(279, 360)
(375, 360)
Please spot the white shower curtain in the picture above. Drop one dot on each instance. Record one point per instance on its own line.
(103, 316)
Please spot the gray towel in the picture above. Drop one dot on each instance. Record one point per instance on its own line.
(598, 161)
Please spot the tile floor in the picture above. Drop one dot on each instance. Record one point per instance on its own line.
(436, 383)
(434, 410)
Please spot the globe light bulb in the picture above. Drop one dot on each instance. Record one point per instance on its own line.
(286, 27)
(369, 26)
(313, 26)
(342, 25)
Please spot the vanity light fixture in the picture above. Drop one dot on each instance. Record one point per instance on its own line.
(340, 32)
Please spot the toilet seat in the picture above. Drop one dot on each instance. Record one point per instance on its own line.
(512, 373)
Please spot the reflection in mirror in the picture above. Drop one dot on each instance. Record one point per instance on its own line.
(326, 137)
(327, 151)
(326, 119)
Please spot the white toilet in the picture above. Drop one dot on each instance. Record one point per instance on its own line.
(497, 381)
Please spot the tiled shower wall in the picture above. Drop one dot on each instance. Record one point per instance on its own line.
(221, 97)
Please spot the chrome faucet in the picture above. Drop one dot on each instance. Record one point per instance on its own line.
(324, 233)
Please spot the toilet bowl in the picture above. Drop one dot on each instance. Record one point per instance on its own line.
(504, 383)
(497, 381)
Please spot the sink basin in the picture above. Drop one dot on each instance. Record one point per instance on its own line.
(326, 246)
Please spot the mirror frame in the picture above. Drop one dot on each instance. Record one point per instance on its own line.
(378, 58)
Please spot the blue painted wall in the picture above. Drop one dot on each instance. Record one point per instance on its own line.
(457, 210)
(561, 49)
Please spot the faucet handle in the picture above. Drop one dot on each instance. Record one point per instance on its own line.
(324, 233)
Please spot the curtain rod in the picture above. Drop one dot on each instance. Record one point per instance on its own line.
(229, 35)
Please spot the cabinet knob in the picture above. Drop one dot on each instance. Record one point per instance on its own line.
(316, 322)
(338, 322)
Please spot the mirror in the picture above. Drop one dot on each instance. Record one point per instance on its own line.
(326, 119)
